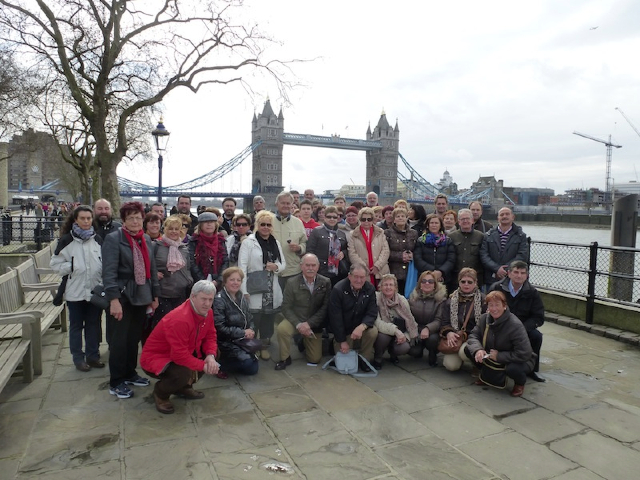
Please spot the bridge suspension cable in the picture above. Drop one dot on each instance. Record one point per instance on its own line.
(207, 178)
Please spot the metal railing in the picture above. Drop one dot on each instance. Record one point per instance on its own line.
(609, 274)
(32, 232)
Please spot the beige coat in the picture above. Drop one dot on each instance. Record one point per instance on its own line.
(379, 249)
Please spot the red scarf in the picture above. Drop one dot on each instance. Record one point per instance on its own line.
(141, 245)
(208, 253)
(368, 240)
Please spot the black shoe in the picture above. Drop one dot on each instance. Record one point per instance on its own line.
(83, 366)
(534, 376)
(95, 363)
(433, 359)
(394, 359)
(281, 365)
(363, 366)
(300, 343)
(377, 364)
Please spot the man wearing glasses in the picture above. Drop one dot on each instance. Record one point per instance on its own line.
(467, 242)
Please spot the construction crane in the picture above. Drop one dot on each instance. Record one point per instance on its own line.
(628, 121)
(609, 146)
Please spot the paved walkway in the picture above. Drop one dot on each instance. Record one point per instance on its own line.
(411, 422)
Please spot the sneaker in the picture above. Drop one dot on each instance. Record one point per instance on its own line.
(138, 381)
(121, 391)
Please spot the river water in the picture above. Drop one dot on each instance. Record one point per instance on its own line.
(557, 232)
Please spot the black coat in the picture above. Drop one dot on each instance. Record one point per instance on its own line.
(231, 320)
(346, 311)
(517, 248)
(441, 258)
(527, 305)
(318, 244)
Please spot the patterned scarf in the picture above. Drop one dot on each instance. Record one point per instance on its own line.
(433, 240)
(393, 307)
(458, 297)
(175, 260)
(208, 255)
(334, 250)
(83, 235)
(141, 262)
(235, 248)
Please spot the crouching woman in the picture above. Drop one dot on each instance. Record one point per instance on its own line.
(501, 337)
(182, 347)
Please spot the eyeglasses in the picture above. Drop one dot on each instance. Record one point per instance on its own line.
(265, 225)
(242, 224)
(464, 219)
(133, 219)
(467, 282)
(368, 219)
(184, 225)
(427, 280)
(331, 217)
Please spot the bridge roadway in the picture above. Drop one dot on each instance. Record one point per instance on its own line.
(410, 422)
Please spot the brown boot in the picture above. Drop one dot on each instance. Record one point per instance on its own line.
(189, 393)
(517, 391)
(162, 405)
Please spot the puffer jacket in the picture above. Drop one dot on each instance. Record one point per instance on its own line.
(81, 261)
(231, 320)
(173, 284)
(399, 242)
(507, 335)
(427, 309)
(379, 250)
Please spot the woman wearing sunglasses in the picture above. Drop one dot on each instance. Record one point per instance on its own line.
(368, 245)
(466, 304)
(261, 251)
(427, 301)
(329, 244)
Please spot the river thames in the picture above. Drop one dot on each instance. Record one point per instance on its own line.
(554, 232)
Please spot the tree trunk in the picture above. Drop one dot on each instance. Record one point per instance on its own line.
(109, 181)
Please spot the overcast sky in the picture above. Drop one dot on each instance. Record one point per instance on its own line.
(477, 88)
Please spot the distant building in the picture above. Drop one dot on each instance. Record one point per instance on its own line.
(34, 160)
(627, 188)
(353, 190)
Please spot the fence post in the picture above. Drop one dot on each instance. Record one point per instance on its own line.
(591, 287)
(21, 229)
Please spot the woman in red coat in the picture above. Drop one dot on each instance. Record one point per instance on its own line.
(183, 344)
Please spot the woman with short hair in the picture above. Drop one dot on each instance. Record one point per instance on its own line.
(207, 250)
(427, 301)
(402, 241)
(241, 229)
(329, 244)
(368, 246)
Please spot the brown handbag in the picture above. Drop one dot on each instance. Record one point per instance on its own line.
(443, 345)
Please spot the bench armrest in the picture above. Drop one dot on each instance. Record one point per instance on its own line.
(44, 271)
(40, 287)
(37, 314)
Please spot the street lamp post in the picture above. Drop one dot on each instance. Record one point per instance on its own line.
(90, 184)
(161, 138)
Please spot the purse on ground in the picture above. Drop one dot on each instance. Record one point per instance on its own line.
(249, 345)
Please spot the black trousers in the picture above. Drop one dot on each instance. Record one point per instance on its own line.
(123, 342)
(535, 337)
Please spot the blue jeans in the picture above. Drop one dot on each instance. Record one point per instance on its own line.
(248, 366)
(84, 316)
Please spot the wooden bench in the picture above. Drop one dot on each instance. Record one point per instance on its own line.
(36, 295)
(42, 260)
(20, 345)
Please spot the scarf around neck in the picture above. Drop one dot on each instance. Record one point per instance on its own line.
(141, 262)
(392, 307)
(83, 235)
(457, 297)
(368, 243)
(175, 260)
(433, 240)
(207, 255)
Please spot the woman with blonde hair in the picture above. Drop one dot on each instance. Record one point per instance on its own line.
(262, 252)
(368, 246)
(395, 323)
(427, 301)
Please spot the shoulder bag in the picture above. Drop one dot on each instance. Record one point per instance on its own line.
(258, 282)
(443, 345)
(492, 373)
(347, 364)
(99, 297)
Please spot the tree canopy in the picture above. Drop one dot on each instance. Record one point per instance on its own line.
(106, 64)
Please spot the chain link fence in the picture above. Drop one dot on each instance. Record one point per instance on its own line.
(605, 273)
(27, 233)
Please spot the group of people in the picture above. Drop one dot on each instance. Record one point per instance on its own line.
(206, 293)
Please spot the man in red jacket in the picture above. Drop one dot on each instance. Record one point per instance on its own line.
(181, 346)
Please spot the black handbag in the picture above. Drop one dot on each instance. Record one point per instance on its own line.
(492, 373)
(250, 345)
(258, 282)
(99, 297)
(400, 323)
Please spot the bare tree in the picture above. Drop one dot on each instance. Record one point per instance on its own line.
(118, 58)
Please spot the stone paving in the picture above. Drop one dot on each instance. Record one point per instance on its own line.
(410, 422)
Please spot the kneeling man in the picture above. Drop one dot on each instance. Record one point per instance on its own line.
(305, 303)
(352, 312)
(181, 346)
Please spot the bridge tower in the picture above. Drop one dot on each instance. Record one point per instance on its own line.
(382, 164)
(266, 175)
